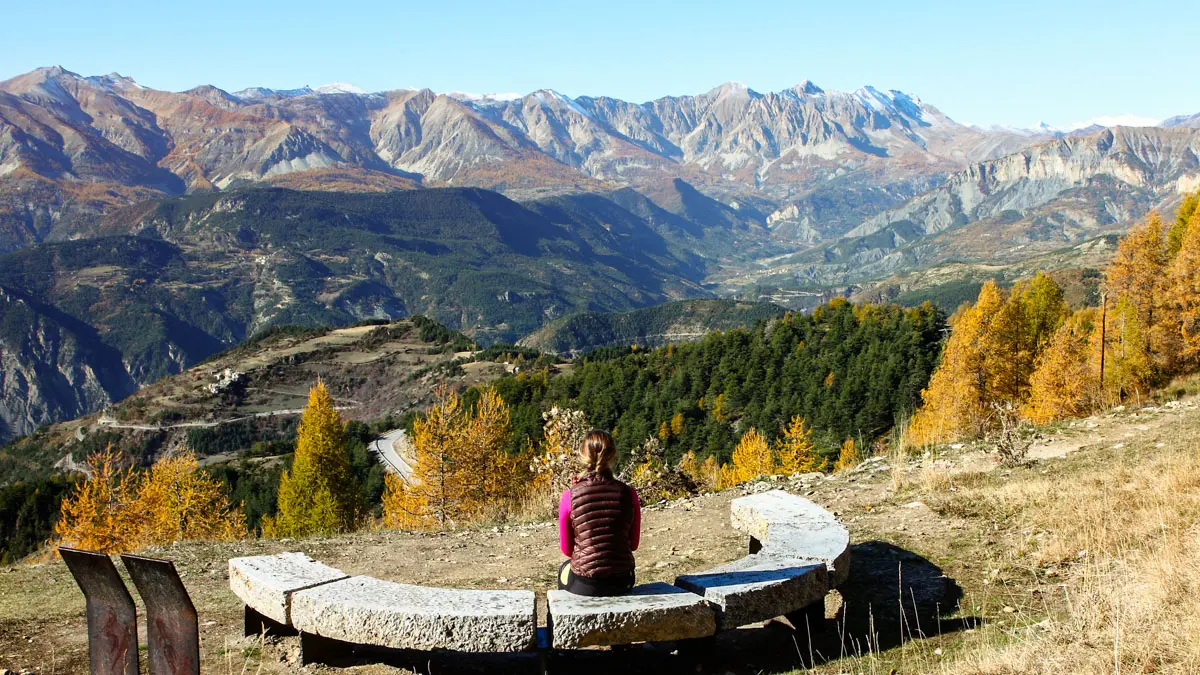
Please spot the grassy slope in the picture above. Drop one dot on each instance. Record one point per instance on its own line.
(1016, 595)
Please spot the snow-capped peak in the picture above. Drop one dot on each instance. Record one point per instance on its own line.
(550, 96)
(500, 97)
(339, 88)
(1126, 120)
(806, 88)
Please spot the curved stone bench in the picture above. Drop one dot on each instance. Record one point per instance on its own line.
(266, 584)
(798, 552)
(784, 525)
(758, 588)
(368, 611)
(648, 613)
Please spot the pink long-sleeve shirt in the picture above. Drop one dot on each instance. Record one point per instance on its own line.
(566, 533)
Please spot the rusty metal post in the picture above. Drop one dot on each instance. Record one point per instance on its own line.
(171, 625)
(111, 616)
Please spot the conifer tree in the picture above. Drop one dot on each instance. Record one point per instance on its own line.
(848, 457)
(795, 451)
(318, 495)
(179, 502)
(1183, 216)
(1135, 274)
(1017, 334)
(752, 457)
(1129, 369)
(117, 509)
(1064, 383)
(956, 400)
(677, 425)
(463, 471)
(1183, 290)
(99, 515)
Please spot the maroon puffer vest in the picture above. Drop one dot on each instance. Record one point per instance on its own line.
(601, 515)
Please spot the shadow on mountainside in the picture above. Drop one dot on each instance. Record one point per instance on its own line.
(891, 597)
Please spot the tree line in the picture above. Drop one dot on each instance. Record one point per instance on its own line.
(1026, 353)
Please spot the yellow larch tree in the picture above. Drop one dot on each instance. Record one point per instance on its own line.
(1128, 364)
(956, 401)
(1064, 383)
(118, 509)
(403, 508)
(1136, 274)
(677, 425)
(489, 475)
(710, 473)
(318, 495)
(180, 502)
(463, 471)
(98, 515)
(1183, 291)
(848, 457)
(752, 457)
(438, 489)
(794, 450)
(1183, 217)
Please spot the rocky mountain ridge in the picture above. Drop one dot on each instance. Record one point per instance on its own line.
(62, 131)
(1047, 197)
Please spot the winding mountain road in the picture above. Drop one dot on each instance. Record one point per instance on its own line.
(392, 459)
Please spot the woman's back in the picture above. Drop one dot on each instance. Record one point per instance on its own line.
(602, 509)
(599, 523)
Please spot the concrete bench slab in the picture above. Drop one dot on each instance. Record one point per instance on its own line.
(369, 611)
(266, 583)
(789, 526)
(655, 612)
(758, 587)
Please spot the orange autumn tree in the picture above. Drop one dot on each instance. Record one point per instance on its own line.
(1065, 381)
(463, 471)
(956, 400)
(848, 457)
(795, 451)
(752, 458)
(100, 514)
(118, 509)
(179, 502)
(1183, 290)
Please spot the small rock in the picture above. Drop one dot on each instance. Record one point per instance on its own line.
(1009, 609)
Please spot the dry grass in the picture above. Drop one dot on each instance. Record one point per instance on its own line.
(1123, 539)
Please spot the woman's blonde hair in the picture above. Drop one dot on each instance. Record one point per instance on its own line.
(598, 452)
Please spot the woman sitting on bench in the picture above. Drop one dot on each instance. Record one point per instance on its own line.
(599, 524)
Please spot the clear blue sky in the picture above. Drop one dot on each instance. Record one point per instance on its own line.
(999, 62)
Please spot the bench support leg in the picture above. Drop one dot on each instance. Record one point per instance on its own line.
(257, 624)
(317, 649)
(809, 620)
(697, 653)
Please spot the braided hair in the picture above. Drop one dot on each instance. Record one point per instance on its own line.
(598, 452)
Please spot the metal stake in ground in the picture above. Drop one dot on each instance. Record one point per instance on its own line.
(171, 624)
(111, 616)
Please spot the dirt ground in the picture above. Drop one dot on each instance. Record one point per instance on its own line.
(922, 578)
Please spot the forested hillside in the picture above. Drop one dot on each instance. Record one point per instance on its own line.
(851, 371)
(682, 321)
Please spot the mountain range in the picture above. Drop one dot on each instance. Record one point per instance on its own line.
(146, 230)
(71, 146)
